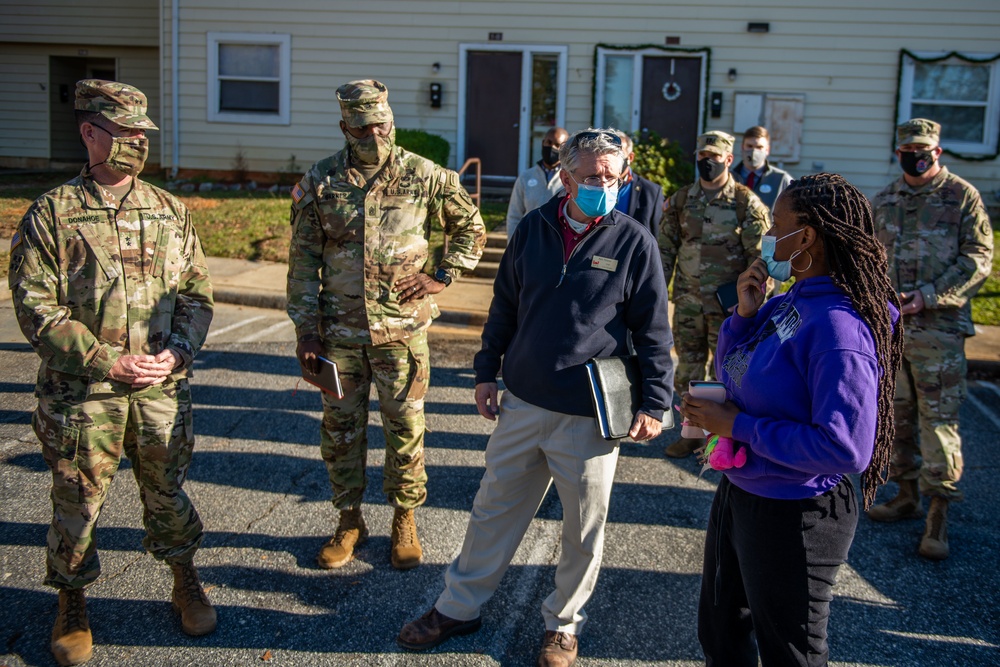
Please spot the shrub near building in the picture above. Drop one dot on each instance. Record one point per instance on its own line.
(662, 161)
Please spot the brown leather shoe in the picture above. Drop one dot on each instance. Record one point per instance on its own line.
(558, 650)
(72, 642)
(433, 628)
(683, 447)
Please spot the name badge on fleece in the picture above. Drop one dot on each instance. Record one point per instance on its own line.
(604, 263)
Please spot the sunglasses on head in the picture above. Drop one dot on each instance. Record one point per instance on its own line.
(614, 138)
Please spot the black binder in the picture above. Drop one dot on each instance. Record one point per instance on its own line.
(616, 390)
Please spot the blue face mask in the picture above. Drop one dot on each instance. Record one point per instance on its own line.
(595, 201)
(780, 270)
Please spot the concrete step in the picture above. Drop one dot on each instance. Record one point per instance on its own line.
(486, 270)
(496, 239)
(492, 254)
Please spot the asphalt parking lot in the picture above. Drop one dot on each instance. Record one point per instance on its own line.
(262, 491)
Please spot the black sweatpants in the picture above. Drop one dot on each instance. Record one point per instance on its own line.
(768, 574)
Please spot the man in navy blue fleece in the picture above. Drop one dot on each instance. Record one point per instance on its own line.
(577, 279)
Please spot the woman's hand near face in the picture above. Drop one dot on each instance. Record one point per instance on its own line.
(750, 287)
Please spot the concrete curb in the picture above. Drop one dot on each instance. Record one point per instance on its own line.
(984, 366)
(279, 302)
(247, 298)
(463, 318)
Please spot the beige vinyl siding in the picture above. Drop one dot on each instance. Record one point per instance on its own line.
(24, 95)
(23, 84)
(111, 23)
(126, 31)
(842, 56)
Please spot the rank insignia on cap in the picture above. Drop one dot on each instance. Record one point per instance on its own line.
(15, 240)
(298, 193)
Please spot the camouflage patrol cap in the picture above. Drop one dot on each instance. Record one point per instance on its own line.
(364, 102)
(918, 131)
(716, 142)
(120, 103)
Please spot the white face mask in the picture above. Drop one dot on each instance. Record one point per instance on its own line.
(754, 158)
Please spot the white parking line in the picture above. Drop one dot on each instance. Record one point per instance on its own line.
(242, 323)
(266, 332)
(992, 416)
(989, 385)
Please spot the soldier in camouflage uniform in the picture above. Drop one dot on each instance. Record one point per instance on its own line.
(358, 296)
(110, 288)
(940, 246)
(710, 233)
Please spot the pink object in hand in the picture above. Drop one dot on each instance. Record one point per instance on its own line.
(725, 455)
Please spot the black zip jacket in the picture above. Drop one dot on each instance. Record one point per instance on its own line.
(547, 318)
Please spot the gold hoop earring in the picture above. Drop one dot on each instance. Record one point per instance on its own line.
(808, 266)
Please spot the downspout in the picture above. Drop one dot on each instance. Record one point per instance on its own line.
(175, 85)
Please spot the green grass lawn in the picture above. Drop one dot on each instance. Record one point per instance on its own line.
(986, 304)
(243, 225)
(254, 225)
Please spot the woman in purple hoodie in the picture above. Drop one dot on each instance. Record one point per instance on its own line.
(810, 378)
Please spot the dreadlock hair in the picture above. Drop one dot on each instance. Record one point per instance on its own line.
(842, 217)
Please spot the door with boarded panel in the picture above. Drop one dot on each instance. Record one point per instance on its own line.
(493, 111)
(671, 95)
(64, 72)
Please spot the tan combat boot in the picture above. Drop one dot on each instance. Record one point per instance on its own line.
(72, 642)
(189, 600)
(934, 543)
(906, 504)
(406, 551)
(339, 550)
(683, 447)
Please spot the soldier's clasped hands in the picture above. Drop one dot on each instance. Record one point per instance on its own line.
(144, 370)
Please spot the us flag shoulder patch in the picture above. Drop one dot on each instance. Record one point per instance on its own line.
(15, 240)
(298, 193)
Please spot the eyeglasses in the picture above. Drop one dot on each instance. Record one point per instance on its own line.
(362, 131)
(598, 182)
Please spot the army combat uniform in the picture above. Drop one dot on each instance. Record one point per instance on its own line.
(709, 243)
(351, 242)
(939, 241)
(92, 280)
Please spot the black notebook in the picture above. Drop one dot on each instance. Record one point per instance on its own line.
(616, 389)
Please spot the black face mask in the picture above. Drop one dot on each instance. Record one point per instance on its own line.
(709, 169)
(916, 163)
(550, 155)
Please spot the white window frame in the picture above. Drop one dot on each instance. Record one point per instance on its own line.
(284, 42)
(527, 51)
(992, 119)
(637, 57)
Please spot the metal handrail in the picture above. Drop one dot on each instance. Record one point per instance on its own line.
(479, 177)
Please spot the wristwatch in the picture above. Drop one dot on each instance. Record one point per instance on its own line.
(442, 276)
